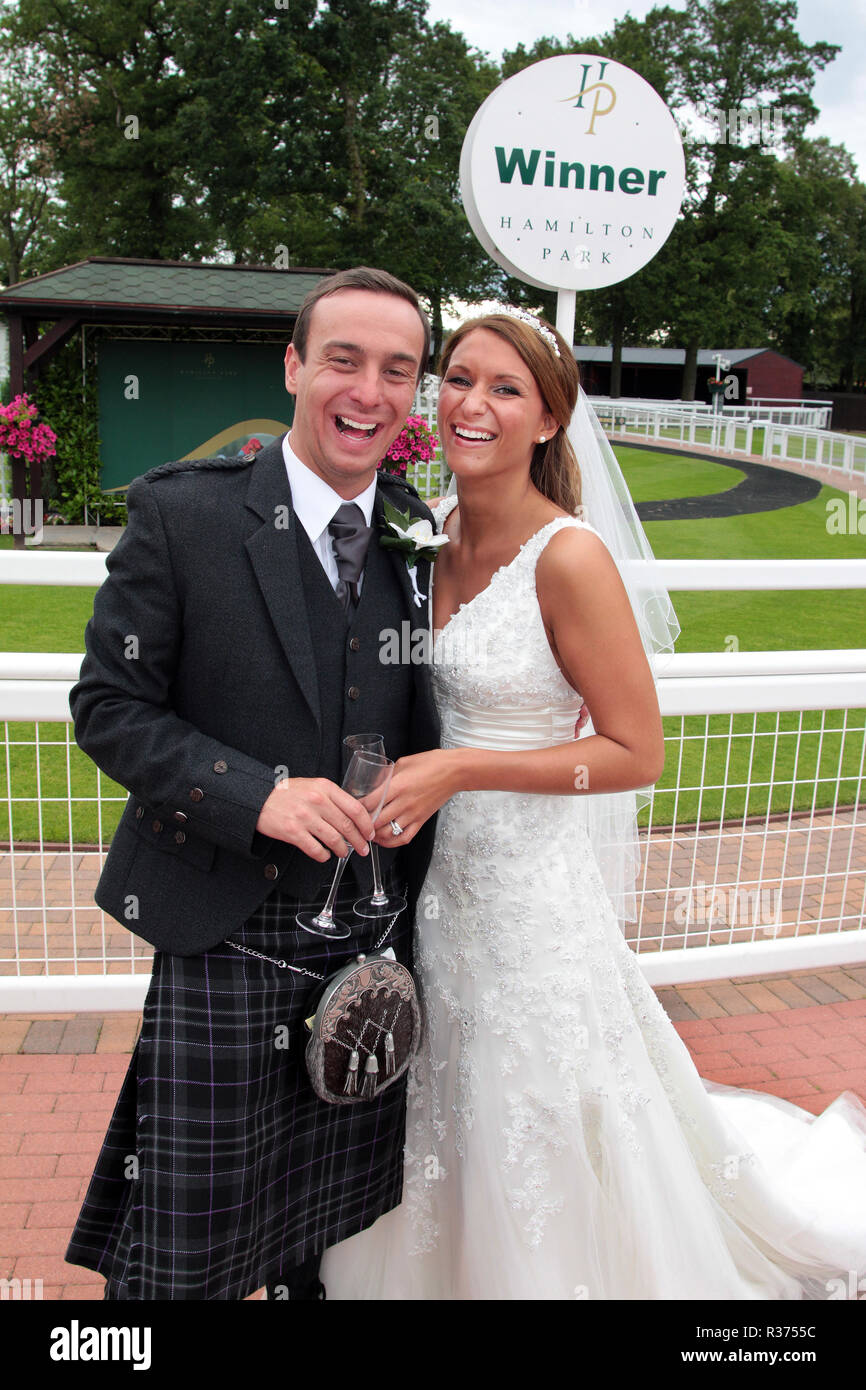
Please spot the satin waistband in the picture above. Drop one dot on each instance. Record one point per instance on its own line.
(507, 730)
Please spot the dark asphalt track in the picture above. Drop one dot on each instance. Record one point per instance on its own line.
(762, 490)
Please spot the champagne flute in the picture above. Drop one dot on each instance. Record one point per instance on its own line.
(379, 903)
(367, 778)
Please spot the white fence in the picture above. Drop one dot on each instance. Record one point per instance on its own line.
(792, 434)
(843, 455)
(755, 848)
(815, 415)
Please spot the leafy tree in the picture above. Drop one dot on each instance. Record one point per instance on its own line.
(434, 87)
(817, 309)
(28, 208)
(139, 88)
(737, 55)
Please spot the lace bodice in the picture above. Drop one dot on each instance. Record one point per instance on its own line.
(493, 666)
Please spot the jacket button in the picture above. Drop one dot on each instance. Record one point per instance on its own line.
(220, 765)
(353, 692)
(157, 826)
(196, 794)
(271, 871)
(355, 644)
(139, 812)
(179, 815)
(179, 837)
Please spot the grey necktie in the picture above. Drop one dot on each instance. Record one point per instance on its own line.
(350, 538)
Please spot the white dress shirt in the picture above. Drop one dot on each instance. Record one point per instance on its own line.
(316, 505)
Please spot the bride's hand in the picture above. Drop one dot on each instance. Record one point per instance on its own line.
(421, 783)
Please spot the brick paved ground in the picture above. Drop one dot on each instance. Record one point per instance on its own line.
(801, 1036)
(810, 868)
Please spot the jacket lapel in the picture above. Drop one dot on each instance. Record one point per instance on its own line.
(419, 615)
(273, 552)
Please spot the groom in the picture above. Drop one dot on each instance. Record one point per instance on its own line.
(233, 646)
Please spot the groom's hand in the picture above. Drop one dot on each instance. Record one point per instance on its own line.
(317, 816)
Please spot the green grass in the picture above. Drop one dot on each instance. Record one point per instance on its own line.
(43, 619)
(653, 477)
(65, 773)
(761, 620)
(807, 764)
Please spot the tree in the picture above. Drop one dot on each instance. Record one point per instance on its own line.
(150, 101)
(817, 310)
(28, 207)
(435, 85)
(737, 56)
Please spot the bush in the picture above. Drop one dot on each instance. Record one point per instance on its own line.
(71, 478)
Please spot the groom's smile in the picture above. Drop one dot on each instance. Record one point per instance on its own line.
(355, 385)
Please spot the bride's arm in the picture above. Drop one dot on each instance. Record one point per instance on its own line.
(594, 636)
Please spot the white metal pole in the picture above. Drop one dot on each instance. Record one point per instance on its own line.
(566, 305)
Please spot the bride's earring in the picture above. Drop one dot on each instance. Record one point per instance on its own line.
(542, 438)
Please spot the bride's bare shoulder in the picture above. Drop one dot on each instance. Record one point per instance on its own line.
(573, 555)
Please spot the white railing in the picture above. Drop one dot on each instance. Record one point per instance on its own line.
(728, 433)
(839, 453)
(815, 415)
(724, 891)
(88, 570)
(775, 410)
(794, 433)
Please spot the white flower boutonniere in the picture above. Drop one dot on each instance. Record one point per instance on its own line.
(415, 539)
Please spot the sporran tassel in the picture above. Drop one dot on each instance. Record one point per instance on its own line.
(350, 1087)
(371, 1077)
(390, 1061)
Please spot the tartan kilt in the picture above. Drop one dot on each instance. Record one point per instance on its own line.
(221, 1168)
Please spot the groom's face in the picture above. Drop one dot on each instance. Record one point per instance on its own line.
(355, 386)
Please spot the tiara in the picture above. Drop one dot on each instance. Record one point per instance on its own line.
(533, 322)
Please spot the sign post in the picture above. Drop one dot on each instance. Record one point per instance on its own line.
(572, 174)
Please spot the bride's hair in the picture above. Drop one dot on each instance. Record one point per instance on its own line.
(554, 468)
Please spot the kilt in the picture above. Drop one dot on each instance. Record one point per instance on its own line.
(221, 1168)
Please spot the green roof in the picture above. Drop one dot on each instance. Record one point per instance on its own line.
(166, 285)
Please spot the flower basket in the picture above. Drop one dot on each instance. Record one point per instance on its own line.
(20, 436)
(416, 443)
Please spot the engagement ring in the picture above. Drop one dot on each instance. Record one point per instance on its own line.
(396, 828)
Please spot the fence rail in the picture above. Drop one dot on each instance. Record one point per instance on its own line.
(754, 847)
(814, 415)
(754, 842)
(793, 434)
(88, 570)
(840, 454)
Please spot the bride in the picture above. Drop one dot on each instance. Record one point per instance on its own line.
(560, 1143)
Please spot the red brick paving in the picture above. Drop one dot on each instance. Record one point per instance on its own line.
(801, 1037)
(814, 858)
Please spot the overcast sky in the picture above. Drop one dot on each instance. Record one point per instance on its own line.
(839, 91)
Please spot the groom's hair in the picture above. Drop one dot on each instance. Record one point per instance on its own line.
(361, 277)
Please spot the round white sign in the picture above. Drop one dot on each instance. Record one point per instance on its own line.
(572, 173)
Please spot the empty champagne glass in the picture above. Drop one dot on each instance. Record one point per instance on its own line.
(367, 778)
(379, 903)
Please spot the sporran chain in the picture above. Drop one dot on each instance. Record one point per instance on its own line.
(299, 969)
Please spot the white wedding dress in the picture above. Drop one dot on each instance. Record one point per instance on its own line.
(560, 1142)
